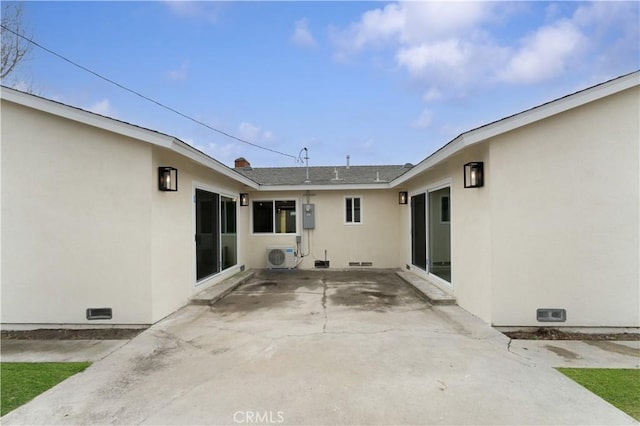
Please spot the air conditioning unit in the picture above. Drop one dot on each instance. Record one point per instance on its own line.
(281, 257)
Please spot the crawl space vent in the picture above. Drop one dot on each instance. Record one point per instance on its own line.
(551, 315)
(99, 313)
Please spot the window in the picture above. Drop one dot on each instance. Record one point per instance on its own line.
(353, 210)
(274, 217)
(444, 210)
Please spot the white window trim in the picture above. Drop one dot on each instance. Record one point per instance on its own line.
(344, 210)
(274, 233)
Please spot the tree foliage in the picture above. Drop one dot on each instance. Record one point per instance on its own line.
(14, 47)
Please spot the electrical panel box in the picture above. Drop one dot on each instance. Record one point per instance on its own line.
(308, 216)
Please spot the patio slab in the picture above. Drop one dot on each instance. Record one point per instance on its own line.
(319, 347)
(579, 354)
(57, 350)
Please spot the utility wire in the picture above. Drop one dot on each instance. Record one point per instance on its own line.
(161, 105)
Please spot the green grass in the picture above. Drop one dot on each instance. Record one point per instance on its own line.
(619, 387)
(20, 382)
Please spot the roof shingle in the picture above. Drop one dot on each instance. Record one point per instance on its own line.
(324, 175)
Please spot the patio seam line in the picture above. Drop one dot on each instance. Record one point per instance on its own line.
(324, 304)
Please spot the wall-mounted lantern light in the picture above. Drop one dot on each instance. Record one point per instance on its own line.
(244, 199)
(167, 178)
(403, 197)
(474, 174)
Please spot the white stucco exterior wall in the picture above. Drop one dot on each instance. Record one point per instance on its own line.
(376, 239)
(556, 224)
(470, 232)
(565, 203)
(173, 271)
(75, 221)
(85, 226)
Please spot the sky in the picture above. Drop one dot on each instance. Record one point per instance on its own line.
(382, 82)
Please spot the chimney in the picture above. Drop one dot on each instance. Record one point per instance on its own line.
(242, 162)
(348, 158)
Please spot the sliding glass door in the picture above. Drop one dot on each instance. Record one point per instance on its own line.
(440, 233)
(431, 232)
(215, 239)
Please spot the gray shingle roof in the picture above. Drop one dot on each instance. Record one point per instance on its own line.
(325, 175)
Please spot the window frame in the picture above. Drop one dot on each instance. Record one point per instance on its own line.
(353, 210)
(273, 202)
(221, 193)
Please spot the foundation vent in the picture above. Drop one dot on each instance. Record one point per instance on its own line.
(551, 315)
(99, 313)
(352, 264)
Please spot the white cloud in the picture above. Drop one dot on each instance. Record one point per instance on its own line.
(206, 10)
(416, 59)
(224, 153)
(454, 48)
(179, 74)
(545, 54)
(103, 107)
(251, 133)
(424, 120)
(410, 23)
(432, 94)
(302, 34)
(428, 20)
(440, 44)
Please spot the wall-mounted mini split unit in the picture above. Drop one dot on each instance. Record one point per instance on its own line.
(281, 257)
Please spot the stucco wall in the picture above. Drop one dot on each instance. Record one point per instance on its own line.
(75, 221)
(172, 241)
(565, 216)
(470, 232)
(375, 240)
(85, 226)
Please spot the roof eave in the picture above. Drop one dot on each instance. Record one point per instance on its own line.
(199, 157)
(121, 128)
(541, 112)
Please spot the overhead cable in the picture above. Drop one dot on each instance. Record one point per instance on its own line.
(161, 105)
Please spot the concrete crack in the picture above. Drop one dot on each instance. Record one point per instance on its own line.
(324, 304)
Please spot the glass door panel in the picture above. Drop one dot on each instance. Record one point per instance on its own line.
(207, 240)
(228, 235)
(440, 233)
(419, 231)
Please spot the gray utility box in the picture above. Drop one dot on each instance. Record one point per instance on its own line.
(308, 216)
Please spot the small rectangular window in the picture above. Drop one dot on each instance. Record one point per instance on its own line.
(274, 217)
(353, 210)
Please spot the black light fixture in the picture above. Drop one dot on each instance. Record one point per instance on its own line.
(403, 197)
(167, 178)
(244, 199)
(474, 174)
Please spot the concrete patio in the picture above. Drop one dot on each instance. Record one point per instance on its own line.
(320, 347)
